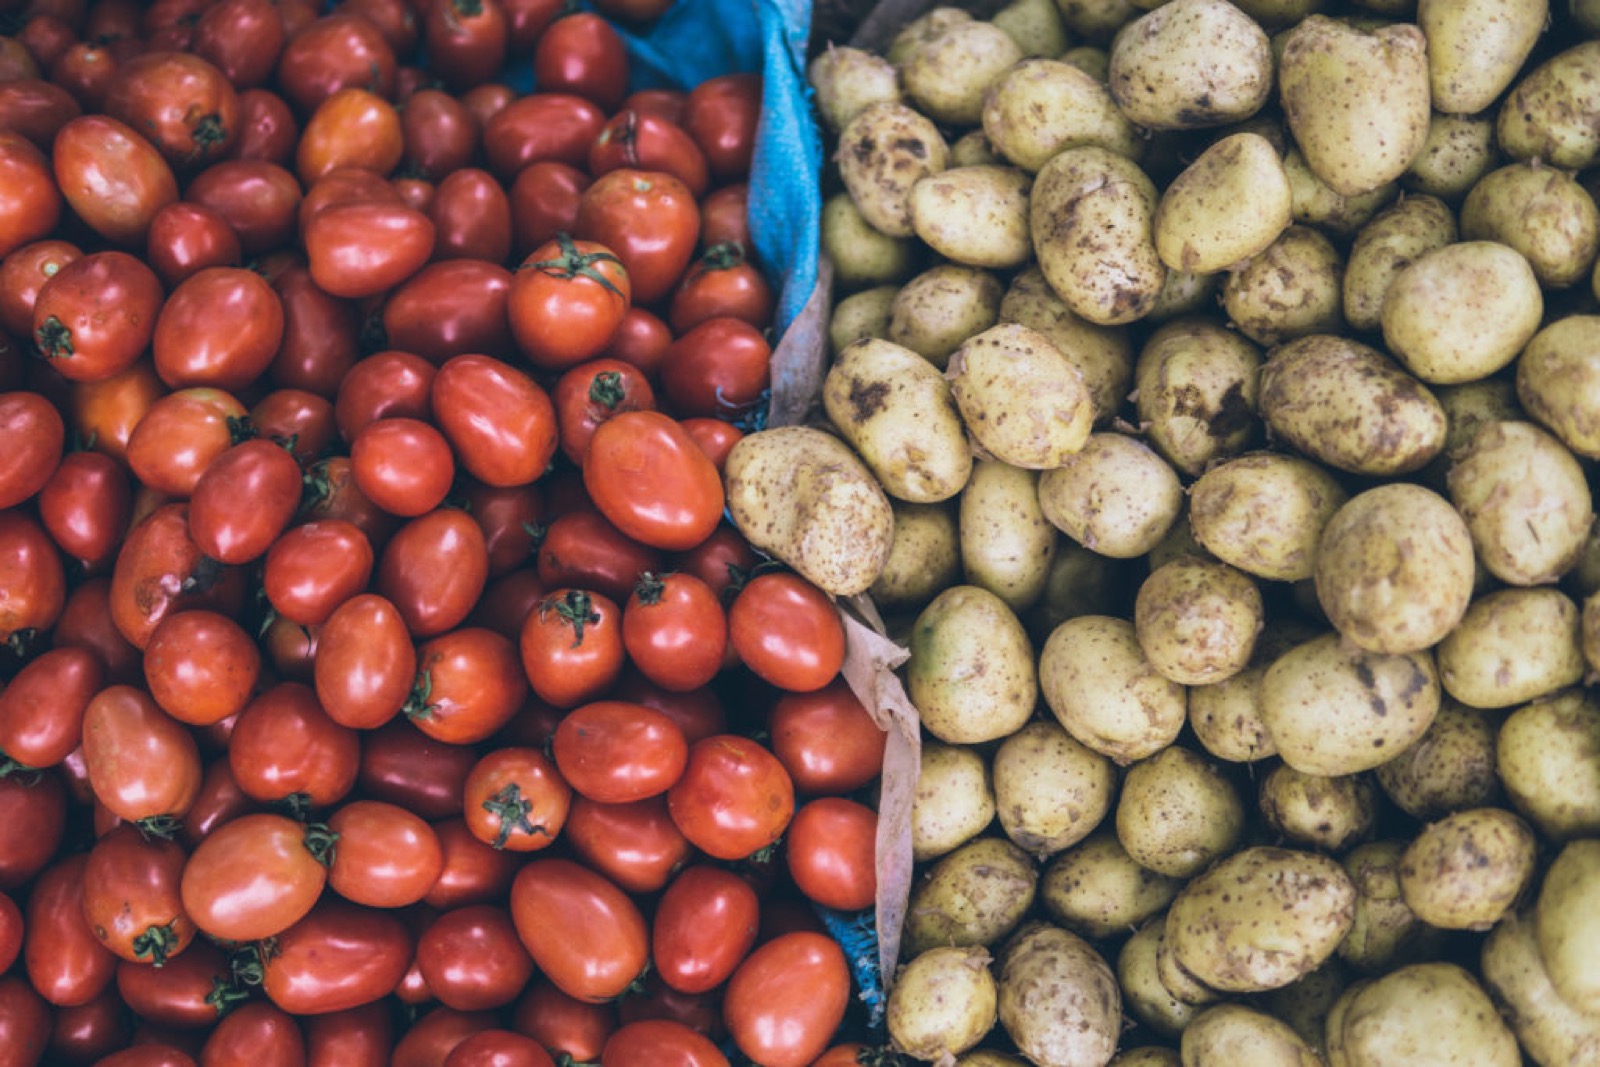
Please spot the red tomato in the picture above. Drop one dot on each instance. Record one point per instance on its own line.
(831, 852)
(571, 647)
(466, 41)
(158, 1054)
(516, 799)
(785, 1002)
(404, 466)
(142, 763)
(404, 766)
(507, 602)
(472, 959)
(41, 711)
(36, 109)
(87, 1032)
(86, 623)
(721, 114)
(722, 284)
(384, 385)
(725, 217)
(255, 876)
(355, 1037)
(734, 797)
(130, 896)
(220, 800)
(705, 925)
(106, 411)
(95, 317)
(112, 177)
(30, 835)
(700, 1012)
(30, 205)
(488, 100)
(359, 250)
(189, 992)
(365, 664)
(501, 424)
(674, 631)
(788, 632)
(636, 845)
(433, 570)
(582, 54)
(510, 519)
(10, 932)
(339, 956)
(332, 53)
(498, 1048)
(314, 568)
(544, 202)
(285, 744)
(255, 1035)
(473, 872)
(652, 481)
(351, 128)
(649, 219)
(567, 299)
(24, 272)
(258, 199)
(440, 135)
(242, 38)
(648, 142)
(31, 438)
(160, 570)
(663, 103)
(186, 106)
(699, 714)
(180, 436)
(321, 336)
(185, 239)
(267, 129)
(303, 422)
(32, 581)
(290, 649)
(721, 367)
(222, 327)
(660, 1043)
(548, 126)
(581, 549)
(563, 1024)
(345, 185)
(395, 19)
(583, 932)
(432, 1038)
(387, 857)
(827, 740)
(449, 308)
(244, 500)
(715, 438)
(614, 752)
(469, 685)
(85, 70)
(472, 217)
(593, 392)
(24, 1021)
(65, 962)
(201, 667)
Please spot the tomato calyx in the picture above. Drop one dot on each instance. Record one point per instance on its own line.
(321, 842)
(241, 429)
(156, 942)
(564, 1059)
(417, 705)
(636, 988)
(247, 964)
(575, 609)
(512, 809)
(607, 389)
(54, 338)
(225, 996)
(626, 135)
(208, 133)
(158, 827)
(10, 767)
(536, 533)
(21, 642)
(205, 575)
(572, 263)
(649, 588)
(724, 256)
(467, 8)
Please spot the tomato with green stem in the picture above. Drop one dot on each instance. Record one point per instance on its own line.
(582, 549)
(97, 315)
(646, 141)
(592, 392)
(647, 476)
(722, 283)
(143, 764)
(256, 876)
(571, 646)
(567, 299)
(184, 104)
(180, 436)
(387, 857)
(131, 899)
(649, 219)
(675, 631)
(469, 684)
(516, 800)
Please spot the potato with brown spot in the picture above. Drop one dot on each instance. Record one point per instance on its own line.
(1058, 1000)
(974, 215)
(1450, 768)
(1476, 48)
(1044, 106)
(846, 81)
(1264, 513)
(1177, 813)
(1548, 1028)
(1050, 791)
(1558, 381)
(947, 76)
(1466, 871)
(1553, 114)
(1190, 64)
(1105, 693)
(972, 673)
(1316, 811)
(1511, 647)
(884, 151)
(1021, 399)
(1459, 150)
(924, 560)
(1548, 758)
(1386, 933)
(1096, 890)
(1387, 245)
(1541, 212)
(953, 802)
(943, 1002)
(1197, 387)
(976, 895)
(922, 30)
(1145, 996)
(1292, 289)
(1116, 496)
(1314, 203)
(1198, 620)
(940, 308)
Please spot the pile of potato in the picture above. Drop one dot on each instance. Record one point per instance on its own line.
(1215, 401)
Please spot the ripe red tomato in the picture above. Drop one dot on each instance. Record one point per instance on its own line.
(142, 763)
(472, 217)
(112, 177)
(65, 962)
(547, 126)
(186, 238)
(583, 932)
(649, 219)
(25, 271)
(563, 1024)
(339, 956)
(660, 1043)
(827, 740)
(567, 299)
(404, 466)
(636, 845)
(242, 38)
(663, 103)
(41, 711)
(32, 580)
(365, 664)
(359, 250)
(255, 876)
(432, 1038)
(355, 1037)
(593, 392)
(469, 685)
(387, 857)
(582, 54)
(180, 436)
(332, 53)
(722, 114)
(674, 631)
(85, 507)
(186, 106)
(571, 647)
(201, 667)
(614, 752)
(785, 1002)
(188, 992)
(267, 128)
(95, 317)
(788, 632)
(516, 799)
(30, 206)
(699, 714)
(544, 202)
(303, 421)
(222, 327)
(351, 128)
(404, 766)
(722, 283)
(25, 1020)
(472, 960)
(500, 422)
(715, 438)
(160, 570)
(258, 199)
(439, 134)
(433, 570)
(32, 435)
(511, 520)
(87, 1032)
(473, 873)
(581, 549)
(831, 852)
(29, 837)
(244, 500)
(646, 475)
(107, 411)
(449, 308)
(387, 384)
(285, 744)
(130, 896)
(725, 217)
(254, 1035)
(721, 367)
(734, 797)
(645, 141)
(314, 568)
(705, 925)
(220, 800)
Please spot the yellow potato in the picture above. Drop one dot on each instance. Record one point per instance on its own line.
(1007, 545)
(1103, 354)
(1558, 381)
(1550, 114)
(974, 215)
(1021, 399)
(1264, 513)
(1476, 47)
(1105, 693)
(1567, 919)
(1290, 290)
(1115, 496)
(1190, 64)
(1197, 390)
(940, 308)
(1388, 245)
(972, 672)
(1043, 106)
(883, 152)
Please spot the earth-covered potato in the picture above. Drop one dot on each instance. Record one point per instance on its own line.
(1144, 995)
(1424, 1015)
(1103, 354)
(936, 311)
(1292, 289)
(1450, 768)
(860, 316)
(1458, 151)
(1050, 791)
(1232, 1035)
(1198, 620)
(1333, 709)
(1386, 933)
(862, 256)
(921, 30)
(1226, 716)
(1007, 545)
(1022, 400)
(976, 895)
(1196, 392)
(924, 560)
(1105, 693)
(1511, 647)
(1388, 245)
(971, 673)
(1264, 513)
(1548, 758)
(1467, 870)
(1096, 21)
(1357, 101)
(1178, 813)
(1549, 1029)
(947, 76)
(1558, 381)
(1476, 48)
(974, 215)
(1549, 115)
(1095, 62)
(847, 80)
(1525, 500)
(1395, 569)
(1541, 212)
(1116, 496)
(885, 150)
(1044, 106)
(1058, 999)
(1467, 409)
(1096, 890)
(1261, 918)
(1191, 64)
(1228, 206)
(1324, 813)
(943, 1002)
(1184, 294)
(953, 802)
(1567, 924)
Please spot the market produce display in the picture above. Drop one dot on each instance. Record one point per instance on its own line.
(1227, 372)
(381, 679)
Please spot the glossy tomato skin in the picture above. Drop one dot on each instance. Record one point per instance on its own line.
(405, 466)
(785, 1002)
(473, 872)
(469, 685)
(571, 647)
(36, 109)
(511, 519)
(438, 133)
(255, 1035)
(499, 1048)
(451, 307)
(500, 422)
(242, 38)
(722, 283)
(32, 435)
(721, 114)
(614, 752)
(180, 436)
(351, 128)
(365, 663)
(112, 177)
(24, 272)
(185, 239)
(433, 570)
(827, 740)
(725, 217)
(466, 41)
(175, 995)
(583, 932)
(432, 1038)
(314, 568)
(130, 896)
(406, 767)
(95, 317)
(87, 1032)
(472, 960)
(339, 956)
(65, 963)
(10, 932)
(252, 878)
(675, 631)
(582, 54)
(33, 832)
(650, 220)
(32, 580)
(788, 632)
(359, 250)
(699, 714)
(41, 711)
(715, 438)
(567, 299)
(387, 857)
(660, 1043)
(582, 549)
(243, 501)
(24, 1020)
(302, 421)
(332, 53)
(516, 799)
(472, 217)
(646, 141)
(563, 1024)
(546, 126)
(383, 385)
(733, 799)
(285, 744)
(544, 202)
(719, 367)
(107, 411)
(257, 198)
(220, 800)
(593, 392)
(221, 327)
(141, 762)
(636, 845)
(355, 1037)
(831, 852)
(185, 105)
(705, 925)
(267, 128)
(652, 481)
(30, 206)
(201, 667)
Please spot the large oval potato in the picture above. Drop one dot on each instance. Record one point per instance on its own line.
(1197, 392)
(883, 152)
(1541, 212)
(1021, 399)
(1058, 1000)
(1551, 1030)
(1096, 890)
(942, 1003)
(895, 409)
(1105, 693)
(1229, 205)
(1191, 64)
(1424, 1015)
(971, 673)
(803, 496)
(976, 895)
(1567, 919)
(1049, 790)
(1290, 290)
(1007, 545)
(1467, 870)
(1092, 218)
(1264, 513)
(1178, 814)
(974, 215)
(1476, 48)
(1198, 620)
(1043, 106)
(1512, 647)
(1115, 496)
(1558, 381)
(1551, 115)
(1548, 759)
(947, 76)
(940, 308)
(1103, 354)
(953, 802)
(1461, 312)
(846, 81)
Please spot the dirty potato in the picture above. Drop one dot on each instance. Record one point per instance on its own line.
(1105, 693)
(1548, 758)
(1386, 932)
(943, 1002)
(927, 27)
(861, 315)
(1548, 1028)
(1314, 203)
(1196, 392)
(846, 81)
(1567, 920)
(1007, 545)
(1476, 48)
(1292, 289)
(1550, 114)
(1096, 890)
(947, 76)
(1424, 1015)
(1035, 25)
(1558, 381)
(936, 311)
(971, 672)
(1190, 64)
(1044, 106)
(1197, 620)
(1264, 513)
(1228, 206)
(976, 895)
(924, 560)
(1467, 870)
(883, 152)
(953, 802)
(1458, 151)
(1450, 768)
(1541, 212)
(1058, 1000)
(1177, 813)
(1387, 245)
(1103, 354)
(1232, 1035)
(1050, 791)
(1511, 647)
(1317, 812)
(974, 215)
(1021, 399)
(1145, 996)
(1115, 496)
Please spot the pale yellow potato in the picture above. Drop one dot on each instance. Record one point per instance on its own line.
(1450, 768)
(1058, 999)
(1177, 979)
(1385, 933)
(1264, 513)
(1007, 545)
(1525, 500)
(1558, 381)
(1104, 692)
(1462, 312)
(922, 30)
(1096, 890)
(1198, 620)
(1196, 392)
(862, 256)
(1095, 20)
(1424, 1015)
(1044, 106)
(884, 151)
(1551, 113)
(1387, 245)
(1274, 14)
(894, 408)
(924, 560)
(1567, 924)
(1549, 1029)
(1356, 101)
(1511, 647)
(1229, 205)
(1104, 354)
(1035, 25)
(847, 80)
(1049, 790)
(1177, 813)
(1476, 48)
(1261, 918)
(1348, 406)
(953, 802)
(1092, 217)
(804, 496)
(976, 895)
(1333, 709)
(1226, 717)
(1317, 812)
(940, 308)
(1314, 203)
(971, 673)
(1548, 759)
(943, 1002)
(861, 315)
(947, 76)
(1145, 996)
(1022, 400)
(1293, 289)
(1466, 871)
(1542, 213)
(1232, 1035)
(1191, 64)
(972, 149)
(974, 215)
(1458, 151)
(1116, 496)
(984, 1057)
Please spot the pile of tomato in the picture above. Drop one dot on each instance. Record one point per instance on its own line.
(381, 681)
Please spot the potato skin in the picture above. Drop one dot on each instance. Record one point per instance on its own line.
(1229, 205)
(1549, 114)
(1020, 397)
(1103, 354)
(1043, 106)
(884, 151)
(1548, 1028)
(940, 308)
(1198, 620)
(942, 1003)
(1426, 1013)
(1197, 389)
(1512, 647)
(947, 76)
(1105, 693)
(1450, 768)
(1115, 497)
(1542, 213)
(1292, 289)
(847, 80)
(1145, 995)
(1232, 1035)
(1050, 791)
(860, 316)
(1558, 381)
(1261, 918)
(1058, 999)
(1264, 513)
(1476, 47)
(1177, 813)
(1388, 245)
(924, 560)
(1318, 812)
(954, 800)
(974, 215)
(1385, 933)
(802, 495)
(1467, 870)
(975, 895)
(1458, 151)
(1567, 924)
(1190, 64)
(1007, 545)
(971, 673)
(1096, 890)
(862, 255)
(1548, 758)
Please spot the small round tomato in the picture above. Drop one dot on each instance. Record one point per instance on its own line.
(186, 106)
(648, 142)
(715, 438)
(581, 549)
(180, 436)
(244, 500)
(593, 392)
(387, 857)
(501, 424)
(652, 481)
(722, 114)
(130, 896)
(359, 250)
(142, 763)
(636, 845)
(315, 567)
(351, 128)
(189, 992)
(472, 217)
(614, 752)
(404, 466)
(30, 835)
(567, 299)
(255, 1035)
(583, 933)
(674, 631)
(546, 126)
(831, 852)
(733, 799)
(365, 663)
(785, 1002)
(722, 284)
(404, 766)
(221, 327)
(32, 435)
(95, 317)
(544, 202)
(649, 219)
(201, 667)
(721, 367)
(187, 238)
(563, 1024)
(267, 128)
(255, 876)
(303, 422)
(332, 53)
(64, 960)
(788, 632)
(30, 205)
(339, 956)
(433, 570)
(827, 740)
(25, 271)
(472, 960)
(439, 134)
(466, 41)
(112, 177)
(469, 685)
(705, 925)
(660, 1043)
(387, 384)
(516, 799)
(41, 711)
(106, 411)
(582, 54)
(571, 647)
(285, 745)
